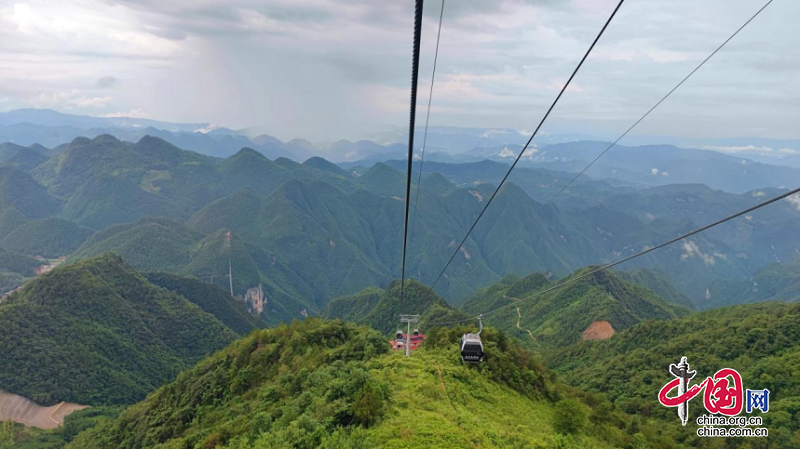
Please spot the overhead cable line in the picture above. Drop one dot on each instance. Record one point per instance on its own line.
(658, 103)
(626, 259)
(427, 119)
(519, 156)
(413, 110)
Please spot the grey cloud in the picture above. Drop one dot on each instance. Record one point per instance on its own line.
(106, 82)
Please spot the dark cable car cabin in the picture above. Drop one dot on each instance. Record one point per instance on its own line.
(472, 346)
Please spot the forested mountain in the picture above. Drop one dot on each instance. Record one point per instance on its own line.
(297, 235)
(758, 340)
(775, 282)
(591, 308)
(97, 332)
(379, 309)
(332, 384)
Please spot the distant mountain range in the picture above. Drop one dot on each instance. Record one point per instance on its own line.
(760, 166)
(299, 234)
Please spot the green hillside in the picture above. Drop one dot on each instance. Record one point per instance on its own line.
(758, 340)
(332, 384)
(149, 244)
(18, 263)
(560, 317)
(20, 191)
(774, 282)
(212, 299)
(97, 332)
(161, 244)
(48, 237)
(380, 309)
(10, 219)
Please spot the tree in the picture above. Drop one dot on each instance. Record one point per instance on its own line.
(570, 417)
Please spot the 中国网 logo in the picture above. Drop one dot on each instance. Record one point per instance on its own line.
(724, 397)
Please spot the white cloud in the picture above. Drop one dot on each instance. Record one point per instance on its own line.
(654, 171)
(133, 113)
(505, 152)
(758, 194)
(665, 173)
(739, 149)
(794, 200)
(71, 99)
(690, 249)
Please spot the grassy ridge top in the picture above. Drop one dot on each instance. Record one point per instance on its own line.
(333, 384)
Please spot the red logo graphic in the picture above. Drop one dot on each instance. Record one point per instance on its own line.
(724, 393)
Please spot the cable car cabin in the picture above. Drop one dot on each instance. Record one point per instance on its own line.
(471, 348)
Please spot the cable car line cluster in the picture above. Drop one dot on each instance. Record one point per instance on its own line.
(626, 259)
(414, 77)
(658, 103)
(470, 345)
(427, 120)
(519, 156)
(634, 125)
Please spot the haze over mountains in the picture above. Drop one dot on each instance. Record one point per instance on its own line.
(172, 244)
(299, 234)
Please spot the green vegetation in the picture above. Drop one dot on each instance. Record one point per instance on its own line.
(20, 191)
(761, 341)
(150, 244)
(231, 312)
(97, 332)
(17, 263)
(17, 436)
(379, 309)
(10, 219)
(48, 237)
(334, 385)
(774, 282)
(657, 283)
(558, 318)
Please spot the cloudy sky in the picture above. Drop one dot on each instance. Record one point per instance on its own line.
(329, 69)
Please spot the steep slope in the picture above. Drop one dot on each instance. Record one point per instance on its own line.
(561, 317)
(775, 282)
(97, 332)
(333, 384)
(380, 309)
(104, 200)
(10, 219)
(340, 242)
(48, 237)
(270, 289)
(658, 283)
(18, 263)
(23, 193)
(212, 299)
(150, 244)
(758, 340)
(325, 165)
(22, 158)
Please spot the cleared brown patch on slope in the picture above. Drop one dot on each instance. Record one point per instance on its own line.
(21, 410)
(598, 330)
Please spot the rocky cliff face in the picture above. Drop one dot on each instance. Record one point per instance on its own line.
(255, 299)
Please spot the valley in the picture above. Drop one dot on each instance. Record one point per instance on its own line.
(123, 256)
